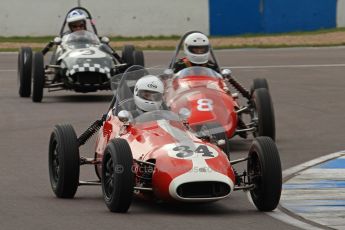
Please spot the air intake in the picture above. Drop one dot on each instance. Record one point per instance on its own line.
(204, 189)
(91, 78)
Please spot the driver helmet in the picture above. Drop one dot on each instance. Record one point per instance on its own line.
(148, 93)
(197, 48)
(76, 20)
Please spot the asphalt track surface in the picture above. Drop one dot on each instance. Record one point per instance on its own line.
(307, 86)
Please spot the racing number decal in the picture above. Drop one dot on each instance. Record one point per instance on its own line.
(204, 150)
(185, 151)
(87, 52)
(205, 104)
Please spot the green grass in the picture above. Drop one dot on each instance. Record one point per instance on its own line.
(26, 39)
(45, 39)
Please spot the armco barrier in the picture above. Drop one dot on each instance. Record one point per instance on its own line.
(235, 16)
(298, 15)
(113, 17)
(167, 17)
(341, 13)
(271, 16)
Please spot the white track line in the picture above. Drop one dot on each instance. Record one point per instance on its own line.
(252, 67)
(284, 66)
(280, 215)
(8, 70)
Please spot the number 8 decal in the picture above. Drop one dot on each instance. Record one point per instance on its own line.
(205, 104)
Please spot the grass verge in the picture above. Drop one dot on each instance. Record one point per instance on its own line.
(328, 37)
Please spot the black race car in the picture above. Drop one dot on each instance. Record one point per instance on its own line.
(81, 61)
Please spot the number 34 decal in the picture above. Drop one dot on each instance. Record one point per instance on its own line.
(185, 152)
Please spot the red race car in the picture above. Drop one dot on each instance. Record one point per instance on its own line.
(206, 93)
(157, 155)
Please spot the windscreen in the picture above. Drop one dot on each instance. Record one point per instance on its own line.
(197, 71)
(82, 39)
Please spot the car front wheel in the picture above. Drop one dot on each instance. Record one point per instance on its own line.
(38, 77)
(117, 176)
(64, 161)
(24, 71)
(264, 171)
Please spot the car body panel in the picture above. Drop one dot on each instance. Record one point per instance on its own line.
(205, 97)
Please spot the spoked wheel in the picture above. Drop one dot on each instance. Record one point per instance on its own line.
(259, 83)
(138, 57)
(264, 171)
(24, 71)
(64, 161)
(117, 175)
(38, 75)
(263, 114)
(96, 168)
(127, 54)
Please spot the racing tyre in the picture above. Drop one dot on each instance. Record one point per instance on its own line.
(259, 83)
(127, 54)
(38, 77)
(263, 113)
(264, 171)
(138, 58)
(24, 71)
(64, 161)
(117, 176)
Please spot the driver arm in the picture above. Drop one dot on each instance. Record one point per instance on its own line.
(47, 47)
(179, 65)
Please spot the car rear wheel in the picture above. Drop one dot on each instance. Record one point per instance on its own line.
(259, 83)
(263, 113)
(24, 71)
(138, 58)
(264, 171)
(64, 161)
(117, 176)
(38, 77)
(127, 54)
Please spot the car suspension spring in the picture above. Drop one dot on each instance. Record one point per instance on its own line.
(245, 93)
(90, 132)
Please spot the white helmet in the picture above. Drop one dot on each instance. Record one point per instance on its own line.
(74, 17)
(148, 93)
(197, 48)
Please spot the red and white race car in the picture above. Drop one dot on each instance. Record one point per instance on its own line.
(157, 155)
(206, 93)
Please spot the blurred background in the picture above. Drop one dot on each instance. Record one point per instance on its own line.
(166, 17)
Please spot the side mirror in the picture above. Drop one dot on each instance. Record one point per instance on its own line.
(184, 114)
(167, 73)
(105, 40)
(125, 116)
(57, 41)
(226, 72)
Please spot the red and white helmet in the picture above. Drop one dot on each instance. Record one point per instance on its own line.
(148, 93)
(197, 48)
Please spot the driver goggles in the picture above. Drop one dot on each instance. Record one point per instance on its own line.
(150, 95)
(198, 49)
